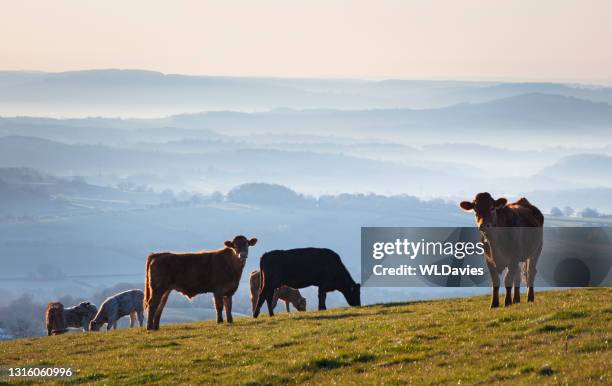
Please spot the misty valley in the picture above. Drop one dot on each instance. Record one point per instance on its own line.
(85, 199)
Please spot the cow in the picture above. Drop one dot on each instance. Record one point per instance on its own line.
(54, 319)
(194, 273)
(287, 294)
(512, 235)
(58, 318)
(117, 306)
(303, 267)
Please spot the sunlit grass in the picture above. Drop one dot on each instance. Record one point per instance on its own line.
(562, 338)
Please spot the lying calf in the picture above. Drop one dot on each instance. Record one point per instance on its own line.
(58, 318)
(118, 306)
(287, 294)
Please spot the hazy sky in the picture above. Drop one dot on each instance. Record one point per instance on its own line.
(472, 39)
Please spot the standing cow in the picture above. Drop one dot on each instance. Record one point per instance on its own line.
(284, 293)
(303, 267)
(58, 318)
(512, 235)
(194, 273)
(118, 306)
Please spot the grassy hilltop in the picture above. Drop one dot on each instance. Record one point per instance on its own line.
(563, 338)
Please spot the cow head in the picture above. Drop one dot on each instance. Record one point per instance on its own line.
(485, 208)
(300, 303)
(353, 296)
(86, 309)
(95, 325)
(240, 245)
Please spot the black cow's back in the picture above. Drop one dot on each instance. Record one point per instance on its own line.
(303, 267)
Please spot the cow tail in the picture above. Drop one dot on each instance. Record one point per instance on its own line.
(147, 286)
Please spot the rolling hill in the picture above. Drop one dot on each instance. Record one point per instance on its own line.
(561, 339)
(112, 92)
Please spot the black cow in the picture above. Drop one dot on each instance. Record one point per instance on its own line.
(303, 267)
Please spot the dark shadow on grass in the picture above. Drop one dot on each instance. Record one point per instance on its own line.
(322, 316)
(399, 304)
(318, 364)
(552, 328)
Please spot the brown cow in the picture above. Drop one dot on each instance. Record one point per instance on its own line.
(193, 273)
(54, 319)
(58, 318)
(512, 234)
(284, 293)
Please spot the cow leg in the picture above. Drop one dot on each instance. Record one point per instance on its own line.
(270, 304)
(160, 309)
(49, 330)
(287, 305)
(275, 298)
(322, 296)
(517, 285)
(530, 278)
(140, 318)
(254, 302)
(495, 285)
(509, 279)
(153, 305)
(260, 300)
(115, 324)
(85, 324)
(227, 302)
(218, 297)
(265, 293)
(495, 298)
(132, 319)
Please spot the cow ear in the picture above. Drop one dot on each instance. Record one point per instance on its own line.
(229, 244)
(466, 205)
(500, 203)
(253, 241)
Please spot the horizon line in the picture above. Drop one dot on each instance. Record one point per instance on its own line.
(378, 78)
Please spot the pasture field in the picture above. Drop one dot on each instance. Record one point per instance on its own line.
(561, 339)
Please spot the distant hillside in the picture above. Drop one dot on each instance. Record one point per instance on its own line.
(593, 169)
(26, 192)
(560, 339)
(526, 111)
(220, 169)
(112, 92)
(575, 198)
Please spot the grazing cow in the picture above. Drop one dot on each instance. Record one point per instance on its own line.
(193, 273)
(303, 267)
(287, 294)
(117, 306)
(512, 234)
(58, 318)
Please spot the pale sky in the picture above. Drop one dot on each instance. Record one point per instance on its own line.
(567, 40)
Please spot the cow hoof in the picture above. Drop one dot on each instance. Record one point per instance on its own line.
(507, 303)
(494, 304)
(219, 321)
(530, 298)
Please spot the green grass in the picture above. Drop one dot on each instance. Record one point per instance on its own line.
(561, 339)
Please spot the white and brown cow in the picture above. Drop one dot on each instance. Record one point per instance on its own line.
(512, 235)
